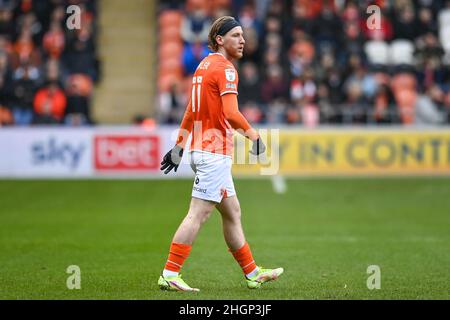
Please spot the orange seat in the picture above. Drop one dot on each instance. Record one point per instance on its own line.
(215, 5)
(168, 50)
(170, 18)
(166, 81)
(170, 33)
(192, 5)
(170, 63)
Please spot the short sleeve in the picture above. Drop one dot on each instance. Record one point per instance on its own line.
(227, 79)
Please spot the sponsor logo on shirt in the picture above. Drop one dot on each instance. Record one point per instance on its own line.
(230, 74)
(230, 86)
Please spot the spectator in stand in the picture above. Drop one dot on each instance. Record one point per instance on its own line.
(79, 54)
(49, 104)
(196, 23)
(428, 109)
(446, 106)
(6, 117)
(310, 59)
(273, 24)
(193, 54)
(248, 18)
(25, 82)
(6, 79)
(33, 50)
(7, 26)
(276, 111)
(327, 113)
(353, 43)
(301, 55)
(355, 107)
(406, 25)
(326, 63)
(173, 104)
(385, 110)
(275, 86)
(364, 79)
(79, 90)
(426, 23)
(54, 71)
(428, 47)
(299, 21)
(271, 57)
(252, 112)
(303, 90)
(335, 82)
(54, 40)
(249, 84)
(29, 22)
(25, 52)
(324, 31)
(432, 73)
(252, 50)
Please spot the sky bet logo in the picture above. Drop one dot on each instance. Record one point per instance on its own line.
(53, 152)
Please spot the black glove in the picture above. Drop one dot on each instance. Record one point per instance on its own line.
(258, 147)
(172, 159)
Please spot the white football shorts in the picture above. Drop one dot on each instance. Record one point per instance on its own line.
(213, 180)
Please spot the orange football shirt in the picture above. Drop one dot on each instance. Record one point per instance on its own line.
(214, 77)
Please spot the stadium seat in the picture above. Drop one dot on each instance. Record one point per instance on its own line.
(444, 37)
(170, 33)
(170, 18)
(444, 18)
(192, 5)
(170, 49)
(401, 52)
(216, 5)
(377, 52)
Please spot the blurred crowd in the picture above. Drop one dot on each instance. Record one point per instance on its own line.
(48, 66)
(317, 62)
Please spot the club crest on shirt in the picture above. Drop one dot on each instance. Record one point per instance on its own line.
(230, 74)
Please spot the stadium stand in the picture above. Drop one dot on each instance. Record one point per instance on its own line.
(318, 62)
(47, 71)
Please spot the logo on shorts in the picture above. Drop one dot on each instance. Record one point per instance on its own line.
(199, 189)
(230, 74)
(197, 180)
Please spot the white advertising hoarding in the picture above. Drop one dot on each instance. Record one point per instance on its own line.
(116, 152)
(45, 152)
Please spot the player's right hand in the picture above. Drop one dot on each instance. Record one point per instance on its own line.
(172, 159)
(258, 147)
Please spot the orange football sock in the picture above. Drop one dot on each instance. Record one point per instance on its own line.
(245, 258)
(178, 253)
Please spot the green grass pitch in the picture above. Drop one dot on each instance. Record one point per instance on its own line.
(324, 232)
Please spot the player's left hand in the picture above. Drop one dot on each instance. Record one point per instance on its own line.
(172, 159)
(258, 147)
